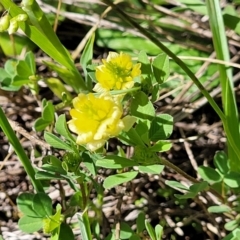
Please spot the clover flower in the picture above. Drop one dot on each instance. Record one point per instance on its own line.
(95, 119)
(116, 73)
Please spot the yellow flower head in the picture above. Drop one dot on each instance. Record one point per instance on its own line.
(95, 119)
(116, 73)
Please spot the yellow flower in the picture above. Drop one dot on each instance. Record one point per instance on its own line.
(95, 119)
(116, 73)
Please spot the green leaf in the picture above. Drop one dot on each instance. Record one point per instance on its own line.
(144, 156)
(161, 146)
(150, 230)
(7, 75)
(198, 187)
(56, 142)
(131, 138)
(86, 59)
(231, 19)
(135, 237)
(52, 222)
(41, 175)
(54, 169)
(30, 60)
(110, 236)
(84, 226)
(54, 161)
(140, 222)
(152, 169)
(27, 67)
(48, 112)
(231, 225)
(146, 69)
(196, 6)
(29, 224)
(62, 129)
(23, 70)
(58, 88)
(87, 55)
(219, 209)
(220, 187)
(66, 232)
(160, 67)
(158, 231)
(40, 124)
(10, 67)
(20, 80)
(76, 199)
(142, 131)
(89, 164)
(125, 231)
(118, 179)
(115, 162)
(186, 196)
(161, 127)
(176, 185)
(24, 203)
(6, 84)
(42, 204)
(234, 235)
(232, 179)
(47, 116)
(209, 174)
(155, 92)
(64, 73)
(55, 233)
(141, 107)
(128, 122)
(4, 75)
(221, 162)
(193, 190)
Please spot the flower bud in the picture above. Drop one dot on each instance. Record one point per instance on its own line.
(22, 17)
(27, 3)
(71, 161)
(4, 22)
(13, 26)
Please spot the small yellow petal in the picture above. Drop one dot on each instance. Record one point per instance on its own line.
(95, 119)
(115, 71)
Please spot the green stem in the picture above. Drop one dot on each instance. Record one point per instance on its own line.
(13, 140)
(84, 217)
(84, 196)
(178, 170)
(193, 180)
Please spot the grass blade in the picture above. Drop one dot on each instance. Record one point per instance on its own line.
(226, 81)
(13, 140)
